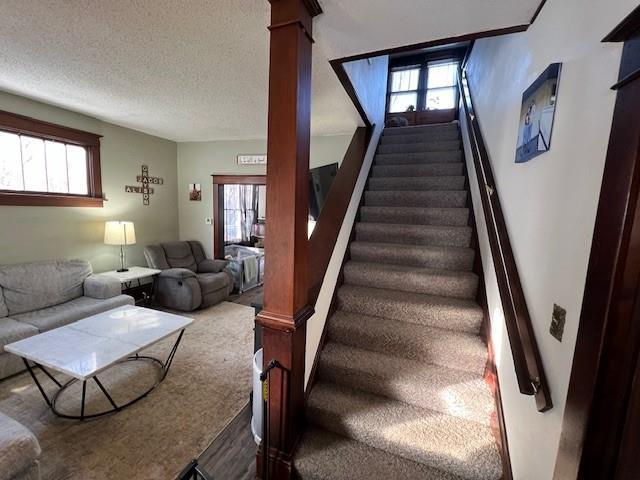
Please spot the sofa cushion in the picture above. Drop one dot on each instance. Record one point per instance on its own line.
(72, 311)
(12, 331)
(179, 255)
(197, 251)
(19, 448)
(33, 286)
(154, 254)
(210, 282)
(3, 306)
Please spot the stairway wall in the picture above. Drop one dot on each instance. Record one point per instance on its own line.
(550, 202)
(369, 79)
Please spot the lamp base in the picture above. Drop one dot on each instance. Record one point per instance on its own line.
(122, 270)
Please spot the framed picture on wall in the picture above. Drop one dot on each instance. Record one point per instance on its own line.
(536, 115)
(195, 192)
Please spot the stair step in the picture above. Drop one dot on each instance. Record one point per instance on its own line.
(420, 129)
(415, 215)
(450, 156)
(421, 137)
(416, 183)
(323, 455)
(447, 236)
(436, 311)
(445, 390)
(444, 442)
(428, 198)
(431, 146)
(443, 258)
(437, 346)
(412, 279)
(425, 170)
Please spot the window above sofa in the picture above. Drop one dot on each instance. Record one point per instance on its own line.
(48, 165)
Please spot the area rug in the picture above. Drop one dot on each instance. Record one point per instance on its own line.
(209, 382)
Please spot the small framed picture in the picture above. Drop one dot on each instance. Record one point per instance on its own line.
(195, 193)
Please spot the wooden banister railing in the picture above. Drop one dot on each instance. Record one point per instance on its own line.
(327, 228)
(526, 356)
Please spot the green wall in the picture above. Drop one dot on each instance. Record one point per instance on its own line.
(38, 233)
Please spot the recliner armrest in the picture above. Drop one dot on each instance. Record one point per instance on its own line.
(177, 273)
(101, 287)
(211, 266)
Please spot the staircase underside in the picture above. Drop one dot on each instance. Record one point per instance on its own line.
(400, 389)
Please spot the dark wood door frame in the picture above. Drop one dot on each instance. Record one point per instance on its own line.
(219, 181)
(599, 414)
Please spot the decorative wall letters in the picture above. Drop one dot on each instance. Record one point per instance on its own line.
(145, 189)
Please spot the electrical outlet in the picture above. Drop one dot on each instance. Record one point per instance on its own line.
(557, 322)
(207, 221)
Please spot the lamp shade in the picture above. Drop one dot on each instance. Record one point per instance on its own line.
(119, 233)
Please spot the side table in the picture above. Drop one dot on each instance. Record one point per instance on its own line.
(132, 285)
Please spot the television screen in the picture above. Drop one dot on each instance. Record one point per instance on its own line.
(320, 181)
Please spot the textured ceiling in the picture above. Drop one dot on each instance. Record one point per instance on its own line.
(351, 27)
(184, 70)
(193, 70)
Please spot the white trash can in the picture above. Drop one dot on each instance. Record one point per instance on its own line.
(256, 420)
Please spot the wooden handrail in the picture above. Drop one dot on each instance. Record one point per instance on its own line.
(526, 356)
(325, 233)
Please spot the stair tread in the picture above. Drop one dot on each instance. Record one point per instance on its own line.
(446, 390)
(440, 257)
(407, 278)
(441, 441)
(323, 455)
(418, 183)
(427, 344)
(421, 308)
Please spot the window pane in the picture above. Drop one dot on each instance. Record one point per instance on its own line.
(56, 156)
(403, 80)
(77, 167)
(442, 75)
(441, 98)
(10, 162)
(399, 102)
(33, 164)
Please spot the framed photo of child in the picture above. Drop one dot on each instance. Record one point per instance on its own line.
(537, 114)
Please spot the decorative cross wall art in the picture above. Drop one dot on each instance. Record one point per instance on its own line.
(145, 189)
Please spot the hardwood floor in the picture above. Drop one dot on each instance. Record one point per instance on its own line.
(232, 455)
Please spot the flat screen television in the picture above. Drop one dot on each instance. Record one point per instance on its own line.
(320, 181)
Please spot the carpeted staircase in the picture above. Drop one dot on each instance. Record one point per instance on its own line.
(400, 392)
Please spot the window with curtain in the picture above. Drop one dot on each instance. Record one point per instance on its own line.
(441, 85)
(240, 212)
(404, 89)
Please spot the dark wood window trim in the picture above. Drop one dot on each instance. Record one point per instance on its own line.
(19, 124)
(219, 181)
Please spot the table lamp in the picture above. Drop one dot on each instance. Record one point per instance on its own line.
(120, 233)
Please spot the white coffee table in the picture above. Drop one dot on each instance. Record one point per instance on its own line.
(86, 348)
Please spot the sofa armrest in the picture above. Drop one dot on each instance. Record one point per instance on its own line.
(211, 266)
(177, 273)
(101, 287)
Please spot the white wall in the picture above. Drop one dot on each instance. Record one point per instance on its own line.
(550, 202)
(369, 78)
(197, 161)
(40, 233)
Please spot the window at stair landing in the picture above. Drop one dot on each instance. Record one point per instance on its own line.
(441, 85)
(404, 89)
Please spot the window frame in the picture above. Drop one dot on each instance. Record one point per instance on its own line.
(422, 61)
(22, 125)
(417, 91)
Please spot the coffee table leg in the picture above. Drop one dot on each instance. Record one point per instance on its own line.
(106, 394)
(35, 379)
(84, 393)
(167, 364)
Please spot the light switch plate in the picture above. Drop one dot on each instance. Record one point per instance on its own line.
(207, 221)
(557, 322)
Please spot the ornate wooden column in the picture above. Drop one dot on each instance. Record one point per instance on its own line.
(285, 312)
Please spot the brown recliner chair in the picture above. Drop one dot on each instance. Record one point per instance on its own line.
(188, 279)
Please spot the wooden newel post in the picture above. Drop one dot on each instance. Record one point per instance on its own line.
(285, 312)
